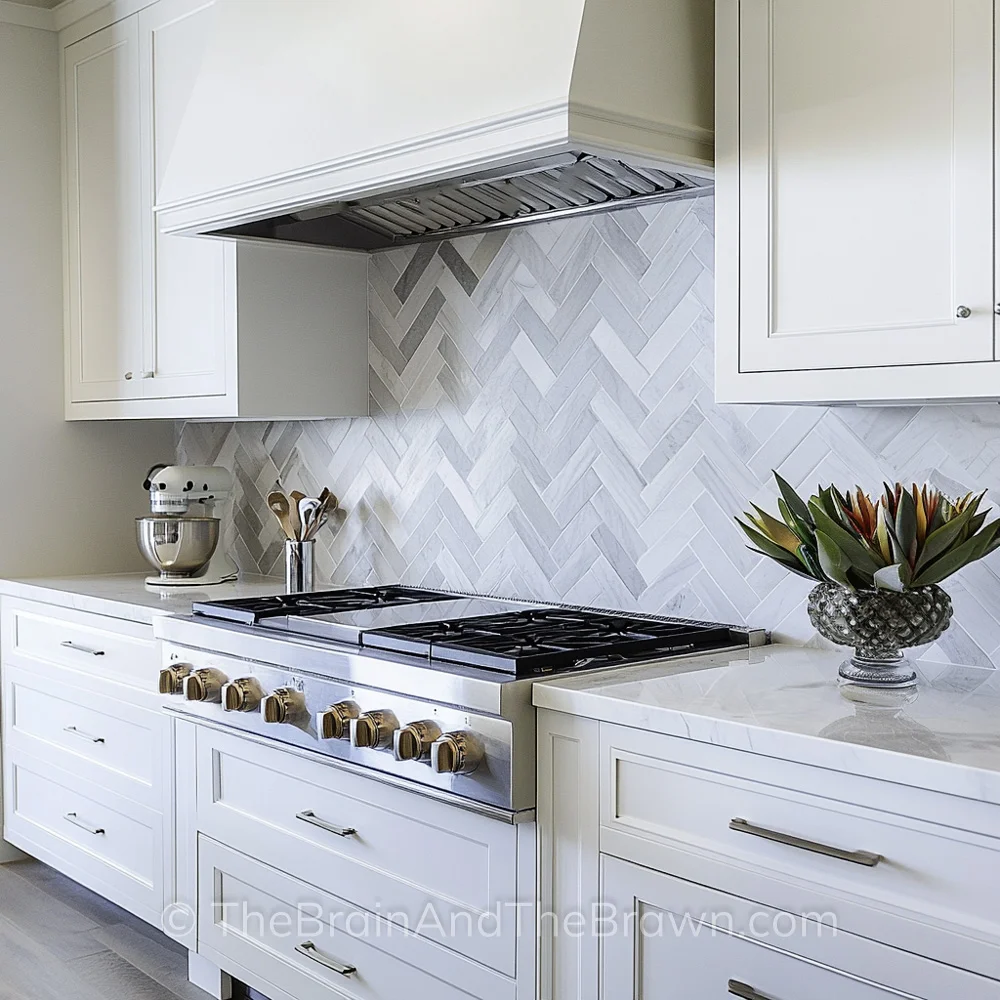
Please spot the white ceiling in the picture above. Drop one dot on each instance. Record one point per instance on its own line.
(40, 3)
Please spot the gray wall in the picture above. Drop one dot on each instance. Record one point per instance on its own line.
(70, 490)
(543, 425)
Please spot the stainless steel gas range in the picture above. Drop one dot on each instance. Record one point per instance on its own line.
(421, 688)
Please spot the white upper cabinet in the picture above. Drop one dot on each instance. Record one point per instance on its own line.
(855, 161)
(104, 294)
(177, 326)
(191, 279)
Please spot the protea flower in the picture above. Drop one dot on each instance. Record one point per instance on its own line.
(907, 538)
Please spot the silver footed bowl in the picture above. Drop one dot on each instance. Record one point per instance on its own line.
(177, 547)
(879, 624)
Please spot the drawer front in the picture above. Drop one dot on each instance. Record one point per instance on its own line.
(84, 731)
(277, 932)
(882, 863)
(668, 938)
(120, 651)
(108, 843)
(405, 852)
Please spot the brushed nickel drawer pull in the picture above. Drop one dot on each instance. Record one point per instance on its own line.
(739, 989)
(73, 731)
(72, 818)
(308, 816)
(69, 644)
(865, 858)
(311, 952)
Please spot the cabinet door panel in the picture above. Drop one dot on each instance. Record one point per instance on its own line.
(667, 939)
(193, 279)
(866, 183)
(104, 227)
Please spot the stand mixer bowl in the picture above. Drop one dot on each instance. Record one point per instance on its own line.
(178, 548)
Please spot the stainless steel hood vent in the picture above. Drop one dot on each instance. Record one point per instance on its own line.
(533, 191)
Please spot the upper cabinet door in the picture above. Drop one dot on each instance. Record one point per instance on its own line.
(191, 313)
(103, 224)
(865, 191)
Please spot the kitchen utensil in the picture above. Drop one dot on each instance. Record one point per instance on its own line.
(178, 548)
(278, 504)
(293, 514)
(299, 573)
(308, 509)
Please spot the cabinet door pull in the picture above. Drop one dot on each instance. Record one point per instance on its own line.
(311, 952)
(308, 816)
(73, 731)
(739, 989)
(69, 644)
(865, 858)
(963, 312)
(76, 821)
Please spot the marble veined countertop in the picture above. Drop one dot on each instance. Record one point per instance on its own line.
(785, 702)
(125, 595)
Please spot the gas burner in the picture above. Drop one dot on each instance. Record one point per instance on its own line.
(547, 639)
(252, 610)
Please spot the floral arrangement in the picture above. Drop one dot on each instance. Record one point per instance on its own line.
(904, 540)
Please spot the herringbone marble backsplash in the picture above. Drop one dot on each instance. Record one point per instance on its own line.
(543, 426)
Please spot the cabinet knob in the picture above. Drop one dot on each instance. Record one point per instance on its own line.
(964, 312)
(128, 376)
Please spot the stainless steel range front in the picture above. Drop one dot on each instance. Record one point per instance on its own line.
(425, 689)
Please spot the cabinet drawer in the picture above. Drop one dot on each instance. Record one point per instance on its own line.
(405, 852)
(672, 938)
(288, 936)
(120, 651)
(108, 843)
(704, 812)
(84, 731)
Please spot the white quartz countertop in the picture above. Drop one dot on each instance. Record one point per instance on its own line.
(786, 702)
(126, 595)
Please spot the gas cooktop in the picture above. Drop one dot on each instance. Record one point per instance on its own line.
(488, 633)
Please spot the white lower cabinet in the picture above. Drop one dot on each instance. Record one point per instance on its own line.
(86, 773)
(310, 878)
(692, 870)
(667, 938)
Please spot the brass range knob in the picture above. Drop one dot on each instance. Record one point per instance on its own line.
(283, 704)
(373, 729)
(172, 678)
(413, 742)
(334, 723)
(204, 685)
(242, 695)
(456, 753)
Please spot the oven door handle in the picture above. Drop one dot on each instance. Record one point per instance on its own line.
(308, 816)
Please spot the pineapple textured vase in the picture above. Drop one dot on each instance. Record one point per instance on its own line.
(879, 624)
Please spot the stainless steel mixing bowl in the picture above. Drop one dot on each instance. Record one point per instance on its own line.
(177, 547)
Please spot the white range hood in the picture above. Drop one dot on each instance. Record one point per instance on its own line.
(369, 124)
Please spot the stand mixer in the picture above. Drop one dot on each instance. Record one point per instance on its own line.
(181, 538)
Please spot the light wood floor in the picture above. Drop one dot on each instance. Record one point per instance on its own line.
(59, 941)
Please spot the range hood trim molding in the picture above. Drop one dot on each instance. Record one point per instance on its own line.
(489, 143)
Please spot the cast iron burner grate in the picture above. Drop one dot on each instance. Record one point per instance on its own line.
(547, 640)
(251, 610)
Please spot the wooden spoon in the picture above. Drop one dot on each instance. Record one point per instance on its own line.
(278, 504)
(299, 529)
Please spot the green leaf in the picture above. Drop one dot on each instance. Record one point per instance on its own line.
(895, 577)
(768, 547)
(940, 541)
(950, 562)
(798, 506)
(857, 552)
(834, 564)
(906, 526)
(809, 558)
(777, 530)
(801, 530)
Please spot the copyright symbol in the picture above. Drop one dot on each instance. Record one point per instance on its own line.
(178, 919)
